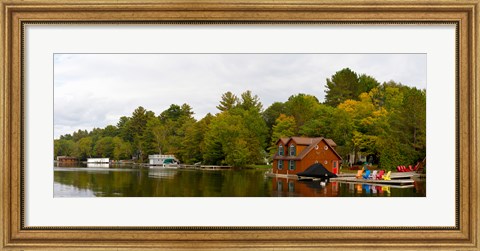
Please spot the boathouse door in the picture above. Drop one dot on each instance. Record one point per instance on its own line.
(335, 167)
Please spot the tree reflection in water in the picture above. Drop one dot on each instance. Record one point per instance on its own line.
(132, 182)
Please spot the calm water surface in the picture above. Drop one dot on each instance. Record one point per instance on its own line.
(126, 181)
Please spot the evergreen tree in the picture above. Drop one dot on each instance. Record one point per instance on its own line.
(228, 102)
(346, 84)
(249, 101)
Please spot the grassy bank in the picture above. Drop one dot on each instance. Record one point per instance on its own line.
(260, 166)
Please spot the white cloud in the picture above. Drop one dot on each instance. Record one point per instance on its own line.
(94, 90)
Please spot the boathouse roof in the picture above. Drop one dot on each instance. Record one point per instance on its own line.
(310, 143)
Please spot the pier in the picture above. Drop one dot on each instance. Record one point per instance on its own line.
(398, 182)
(394, 175)
(207, 167)
(182, 166)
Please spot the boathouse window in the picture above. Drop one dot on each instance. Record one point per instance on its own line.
(280, 150)
(291, 186)
(292, 150)
(280, 164)
(291, 165)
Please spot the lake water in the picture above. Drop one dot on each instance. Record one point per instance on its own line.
(126, 181)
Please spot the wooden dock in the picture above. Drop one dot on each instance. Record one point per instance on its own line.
(381, 184)
(399, 182)
(279, 175)
(204, 167)
(394, 175)
(182, 166)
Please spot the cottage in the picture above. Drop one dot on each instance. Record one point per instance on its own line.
(159, 159)
(296, 154)
(66, 159)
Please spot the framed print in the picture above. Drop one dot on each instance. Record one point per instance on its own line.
(239, 125)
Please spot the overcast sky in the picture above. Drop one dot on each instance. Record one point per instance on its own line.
(95, 90)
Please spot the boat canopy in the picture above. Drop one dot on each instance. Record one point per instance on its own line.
(317, 170)
(168, 161)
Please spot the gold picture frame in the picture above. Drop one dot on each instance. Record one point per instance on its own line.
(17, 13)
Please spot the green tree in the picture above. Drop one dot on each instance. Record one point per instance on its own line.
(137, 124)
(172, 113)
(79, 135)
(222, 132)
(154, 137)
(193, 144)
(334, 123)
(121, 149)
(237, 153)
(388, 122)
(187, 111)
(302, 107)
(165, 134)
(178, 132)
(284, 127)
(413, 115)
(368, 124)
(249, 101)
(255, 136)
(366, 83)
(407, 128)
(96, 134)
(104, 147)
(228, 102)
(346, 84)
(110, 131)
(66, 137)
(139, 119)
(64, 147)
(125, 130)
(341, 86)
(271, 114)
(85, 148)
(236, 137)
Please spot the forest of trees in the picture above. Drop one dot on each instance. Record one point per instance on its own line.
(386, 121)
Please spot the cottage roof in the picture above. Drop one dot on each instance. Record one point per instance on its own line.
(303, 140)
(283, 140)
(310, 143)
(331, 142)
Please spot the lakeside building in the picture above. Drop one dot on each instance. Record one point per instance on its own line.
(66, 159)
(161, 159)
(296, 154)
(98, 160)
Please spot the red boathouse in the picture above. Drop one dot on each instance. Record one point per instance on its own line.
(295, 154)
